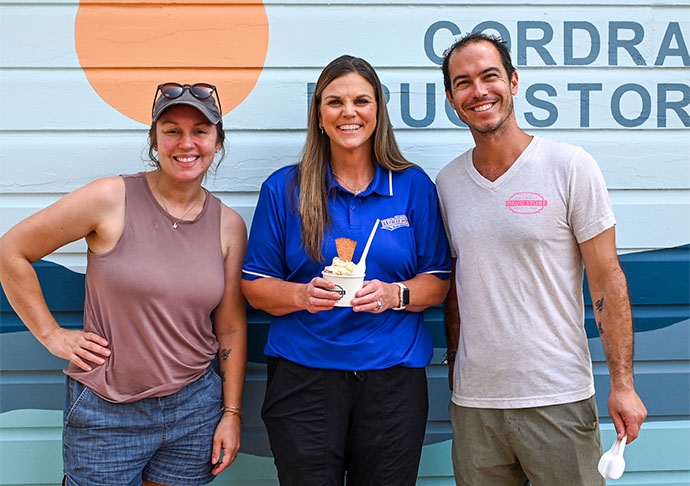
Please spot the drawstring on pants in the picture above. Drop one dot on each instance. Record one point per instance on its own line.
(359, 375)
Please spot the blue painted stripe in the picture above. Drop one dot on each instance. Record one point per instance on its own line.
(658, 281)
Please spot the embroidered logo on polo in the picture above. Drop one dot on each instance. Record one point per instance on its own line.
(526, 203)
(395, 222)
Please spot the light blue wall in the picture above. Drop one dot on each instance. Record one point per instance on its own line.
(57, 134)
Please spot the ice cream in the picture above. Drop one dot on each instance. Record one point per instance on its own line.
(340, 272)
(340, 267)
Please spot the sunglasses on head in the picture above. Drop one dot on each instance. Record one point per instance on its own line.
(200, 91)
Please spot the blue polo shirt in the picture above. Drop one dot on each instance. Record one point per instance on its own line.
(409, 241)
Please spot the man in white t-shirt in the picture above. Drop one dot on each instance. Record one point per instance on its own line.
(523, 214)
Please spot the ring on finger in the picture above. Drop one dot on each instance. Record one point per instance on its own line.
(379, 304)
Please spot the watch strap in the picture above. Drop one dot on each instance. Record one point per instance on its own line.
(403, 290)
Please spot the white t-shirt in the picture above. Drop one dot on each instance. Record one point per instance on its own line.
(520, 273)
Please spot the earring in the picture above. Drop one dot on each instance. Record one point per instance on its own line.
(322, 132)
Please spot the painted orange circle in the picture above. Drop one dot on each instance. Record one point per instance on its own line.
(127, 47)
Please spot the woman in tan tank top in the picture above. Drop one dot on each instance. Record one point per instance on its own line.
(144, 405)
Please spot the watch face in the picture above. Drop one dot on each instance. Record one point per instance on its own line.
(405, 296)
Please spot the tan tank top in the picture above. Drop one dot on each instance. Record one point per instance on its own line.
(151, 297)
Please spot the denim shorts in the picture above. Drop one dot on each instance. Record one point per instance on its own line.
(167, 440)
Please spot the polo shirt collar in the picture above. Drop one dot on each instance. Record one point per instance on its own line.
(382, 183)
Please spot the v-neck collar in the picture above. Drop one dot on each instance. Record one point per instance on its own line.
(507, 175)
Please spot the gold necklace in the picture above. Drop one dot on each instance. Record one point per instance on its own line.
(174, 221)
(353, 190)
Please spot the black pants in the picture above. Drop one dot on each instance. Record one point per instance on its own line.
(325, 425)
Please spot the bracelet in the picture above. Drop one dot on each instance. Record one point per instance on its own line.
(449, 356)
(231, 410)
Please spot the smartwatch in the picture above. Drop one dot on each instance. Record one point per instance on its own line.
(404, 296)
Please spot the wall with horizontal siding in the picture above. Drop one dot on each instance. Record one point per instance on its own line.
(76, 82)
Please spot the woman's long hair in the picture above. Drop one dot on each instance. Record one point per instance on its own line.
(311, 174)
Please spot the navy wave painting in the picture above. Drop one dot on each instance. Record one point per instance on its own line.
(659, 284)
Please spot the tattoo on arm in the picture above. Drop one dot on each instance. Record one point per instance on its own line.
(599, 305)
(222, 376)
(224, 353)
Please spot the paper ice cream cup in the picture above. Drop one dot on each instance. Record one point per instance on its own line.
(345, 286)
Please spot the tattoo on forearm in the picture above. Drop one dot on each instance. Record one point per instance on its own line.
(222, 376)
(599, 305)
(224, 353)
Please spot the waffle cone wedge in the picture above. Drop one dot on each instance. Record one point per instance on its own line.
(345, 248)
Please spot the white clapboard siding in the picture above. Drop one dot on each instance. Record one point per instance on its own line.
(57, 134)
(64, 161)
(314, 31)
(62, 99)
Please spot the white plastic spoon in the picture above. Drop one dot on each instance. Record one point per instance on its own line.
(612, 464)
(361, 267)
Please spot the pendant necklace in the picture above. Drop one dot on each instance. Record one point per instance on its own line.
(174, 221)
(354, 190)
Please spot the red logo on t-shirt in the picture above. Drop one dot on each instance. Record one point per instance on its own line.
(526, 203)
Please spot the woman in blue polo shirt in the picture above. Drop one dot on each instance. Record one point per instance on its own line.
(346, 392)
